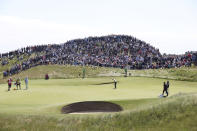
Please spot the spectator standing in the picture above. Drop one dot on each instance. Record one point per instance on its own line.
(18, 83)
(26, 82)
(9, 83)
(46, 77)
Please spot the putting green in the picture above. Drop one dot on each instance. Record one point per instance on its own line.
(48, 96)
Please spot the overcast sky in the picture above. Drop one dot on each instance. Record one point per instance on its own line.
(170, 25)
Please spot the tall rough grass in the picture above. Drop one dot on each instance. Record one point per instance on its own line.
(183, 73)
(65, 72)
(69, 71)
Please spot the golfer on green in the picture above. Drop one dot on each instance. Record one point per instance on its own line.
(115, 82)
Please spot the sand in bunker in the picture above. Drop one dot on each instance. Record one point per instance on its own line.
(90, 107)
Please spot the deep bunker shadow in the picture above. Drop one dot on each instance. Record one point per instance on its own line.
(91, 106)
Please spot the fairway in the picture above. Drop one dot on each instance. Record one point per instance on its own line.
(49, 96)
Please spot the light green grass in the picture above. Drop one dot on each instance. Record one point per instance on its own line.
(48, 96)
(39, 107)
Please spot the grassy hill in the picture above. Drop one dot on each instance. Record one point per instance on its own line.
(183, 73)
(65, 71)
(71, 71)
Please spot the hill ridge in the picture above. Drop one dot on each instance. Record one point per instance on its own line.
(119, 51)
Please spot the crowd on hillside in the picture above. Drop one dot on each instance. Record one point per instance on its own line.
(108, 51)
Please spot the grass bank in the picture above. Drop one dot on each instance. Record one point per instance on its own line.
(183, 73)
(69, 71)
(65, 72)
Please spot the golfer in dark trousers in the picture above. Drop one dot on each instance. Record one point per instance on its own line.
(168, 85)
(115, 82)
(165, 88)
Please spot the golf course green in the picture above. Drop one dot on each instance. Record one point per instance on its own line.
(48, 96)
(39, 107)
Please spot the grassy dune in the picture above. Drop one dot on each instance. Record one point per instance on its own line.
(65, 71)
(183, 73)
(69, 71)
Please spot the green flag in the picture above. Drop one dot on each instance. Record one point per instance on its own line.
(125, 69)
(84, 71)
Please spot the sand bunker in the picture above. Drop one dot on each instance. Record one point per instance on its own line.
(91, 106)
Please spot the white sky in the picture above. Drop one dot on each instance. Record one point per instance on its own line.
(169, 25)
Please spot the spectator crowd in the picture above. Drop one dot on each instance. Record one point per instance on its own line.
(118, 51)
